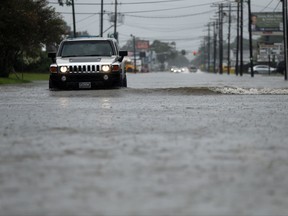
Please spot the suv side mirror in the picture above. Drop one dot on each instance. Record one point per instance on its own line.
(122, 54)
(52, 56)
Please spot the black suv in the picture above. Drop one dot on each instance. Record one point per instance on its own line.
(86, 63)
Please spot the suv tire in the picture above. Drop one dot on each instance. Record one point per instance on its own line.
(124, 82)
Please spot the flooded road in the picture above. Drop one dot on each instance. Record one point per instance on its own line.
(170, 144)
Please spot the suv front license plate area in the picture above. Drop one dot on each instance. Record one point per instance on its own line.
(84, 85)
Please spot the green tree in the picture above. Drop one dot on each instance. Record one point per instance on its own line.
(67, 2)
(129, 46)
(24, 27)
(179, 61)
(164, 51)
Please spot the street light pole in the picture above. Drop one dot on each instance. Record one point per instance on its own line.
(229, 40)
(101, 19)
(209, 46)
(238, 39)
(214, 46)
(134, 51)
(74, 22)
(241, 37)
(250, 38)
(221, 38)
(285, 36)
(115, 21)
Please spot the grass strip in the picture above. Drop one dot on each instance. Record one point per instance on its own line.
(23, 78)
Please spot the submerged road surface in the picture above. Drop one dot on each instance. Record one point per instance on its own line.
(170, 144)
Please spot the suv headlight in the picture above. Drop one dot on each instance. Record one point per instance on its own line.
(105, 68)
(64, 69)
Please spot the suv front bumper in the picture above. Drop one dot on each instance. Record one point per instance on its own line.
(96, 80)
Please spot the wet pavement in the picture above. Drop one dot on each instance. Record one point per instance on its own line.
(170, 144)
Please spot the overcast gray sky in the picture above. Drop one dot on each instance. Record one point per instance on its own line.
(181, 21)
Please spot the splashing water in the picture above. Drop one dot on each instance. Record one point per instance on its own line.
(249, 91)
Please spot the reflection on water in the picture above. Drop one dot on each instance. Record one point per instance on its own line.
(105, 103)
(64, 102)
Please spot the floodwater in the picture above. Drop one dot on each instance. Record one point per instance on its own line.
(170, 144)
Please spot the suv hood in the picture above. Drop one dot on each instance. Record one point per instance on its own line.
(75, 60)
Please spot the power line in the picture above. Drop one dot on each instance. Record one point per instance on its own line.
(173, 39)
(79, 13)
(167, 39)
(158, 10)
(159, 29)
(277, 6)
(86, 18)
(152, 17)
(126, 3)
(151, 2)
(261, 6)
(176, 16)
(167, 9)
(267, 5)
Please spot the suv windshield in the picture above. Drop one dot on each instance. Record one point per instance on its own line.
(86, 48)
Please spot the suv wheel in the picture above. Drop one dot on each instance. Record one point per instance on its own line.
(51, 85)
(124, 82)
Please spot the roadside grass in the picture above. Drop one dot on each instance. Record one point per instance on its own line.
(16, 78)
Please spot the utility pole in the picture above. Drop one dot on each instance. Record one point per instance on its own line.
(101, 19)
(250, 38)
(215, 46)
(237, 39)
(209, 47)
(229, 40)
(115, 22)
(218, 26)
(134, 52)
(74, 22)
(223, 13)
(241, 37)
(285, 17)
(203, 57)
(221, 38)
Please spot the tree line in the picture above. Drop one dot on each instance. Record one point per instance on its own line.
(26, 26)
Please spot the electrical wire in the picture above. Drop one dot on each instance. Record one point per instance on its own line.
(159, 29)
(138, 16)
(169, 17)
(81, 20)
(172, 39)
(79, 13)
(126, 3)
(168, 9)
(159, 10)
(267, 5)
(277, 6)
(261, 6)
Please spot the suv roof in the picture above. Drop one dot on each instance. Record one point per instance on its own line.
(92, 38)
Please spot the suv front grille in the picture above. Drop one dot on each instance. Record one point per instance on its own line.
(84, 69)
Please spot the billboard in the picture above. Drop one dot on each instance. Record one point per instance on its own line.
(267, 23)
(273, 50)
(142, 44)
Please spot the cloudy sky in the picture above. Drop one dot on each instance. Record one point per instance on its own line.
(182, 21)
